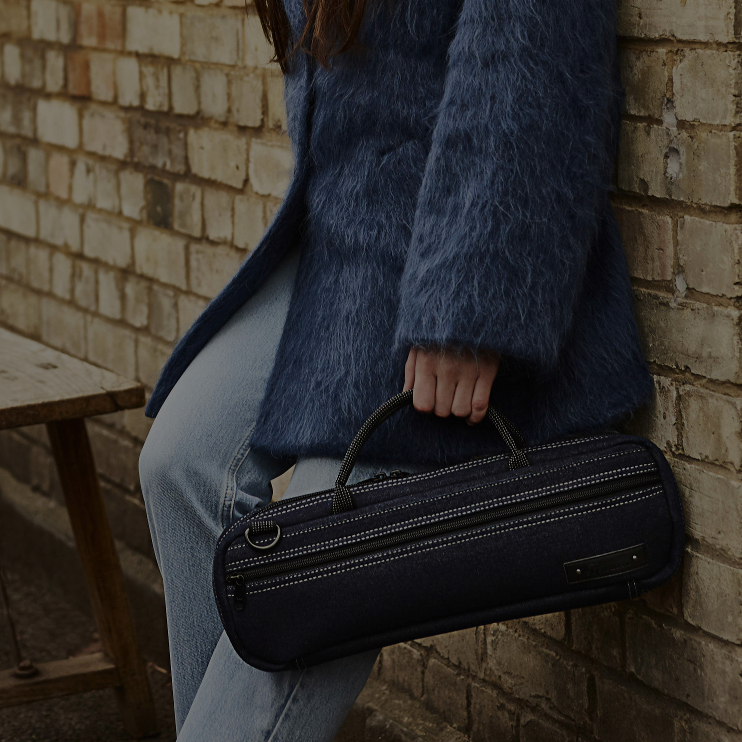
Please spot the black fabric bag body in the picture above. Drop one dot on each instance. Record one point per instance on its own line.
(578, 521)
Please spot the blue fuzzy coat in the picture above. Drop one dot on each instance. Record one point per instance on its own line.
(451, 188)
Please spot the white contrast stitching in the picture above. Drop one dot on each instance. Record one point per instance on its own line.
(440, 497)
(465, 465)
(437, 517)
(405, 551)
(452, 494)
(413, 477)
(426, 475)
(535, 516)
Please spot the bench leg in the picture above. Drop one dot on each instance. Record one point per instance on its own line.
(102, 570)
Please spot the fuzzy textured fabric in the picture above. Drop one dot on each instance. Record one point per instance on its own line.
(451, 188)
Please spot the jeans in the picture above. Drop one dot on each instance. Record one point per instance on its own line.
(198, 475)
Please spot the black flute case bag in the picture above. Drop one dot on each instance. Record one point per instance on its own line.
(578, 521)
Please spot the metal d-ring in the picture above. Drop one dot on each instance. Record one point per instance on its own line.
(267, 546)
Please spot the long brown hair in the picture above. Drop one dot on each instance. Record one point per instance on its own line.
(332, 28)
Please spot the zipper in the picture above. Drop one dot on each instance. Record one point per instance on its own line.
(419, 533)
(379, 476)
(239, 591)
(382, 475)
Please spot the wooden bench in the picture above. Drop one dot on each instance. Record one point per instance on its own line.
(41, 385)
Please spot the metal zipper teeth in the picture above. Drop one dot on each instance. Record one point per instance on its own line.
(454, 524)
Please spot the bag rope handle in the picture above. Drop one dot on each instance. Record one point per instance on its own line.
(342, 499)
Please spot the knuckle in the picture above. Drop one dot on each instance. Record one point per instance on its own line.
(422, 405)
(461, 411)
(479, 406)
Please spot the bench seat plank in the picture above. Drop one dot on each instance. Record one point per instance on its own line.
(39, 385)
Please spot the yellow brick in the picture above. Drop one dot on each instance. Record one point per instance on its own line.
(687, 334)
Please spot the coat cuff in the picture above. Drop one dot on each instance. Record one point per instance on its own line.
(517, 179)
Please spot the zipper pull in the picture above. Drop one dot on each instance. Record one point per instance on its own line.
(380, 476)
(376, 478)
(239, 591)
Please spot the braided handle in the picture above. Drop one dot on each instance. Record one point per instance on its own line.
(342, 499)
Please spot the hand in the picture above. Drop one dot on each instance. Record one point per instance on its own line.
(446, 381)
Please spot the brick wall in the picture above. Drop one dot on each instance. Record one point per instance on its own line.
(142, 151)
(665, 666)
(142, 154)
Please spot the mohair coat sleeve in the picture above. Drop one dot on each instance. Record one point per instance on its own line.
(516, 178)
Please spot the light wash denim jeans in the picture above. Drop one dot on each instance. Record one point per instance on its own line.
(198, 475)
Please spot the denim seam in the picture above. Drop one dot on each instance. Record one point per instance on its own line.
(230, 492)
(421, 477)
(435, 517)
(414, 477)
(217, 601)
(460, 492)
(286, 705)
(407, 551)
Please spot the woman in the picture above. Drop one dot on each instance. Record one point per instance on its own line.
(448, 229)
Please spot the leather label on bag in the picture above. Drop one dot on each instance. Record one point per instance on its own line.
(604, 565)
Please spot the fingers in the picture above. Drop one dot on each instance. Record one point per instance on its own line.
(479, 401)
(461, 406)
(409, 370)
(424, 389)
(447, 375)
(481, 393)
(447, 382)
